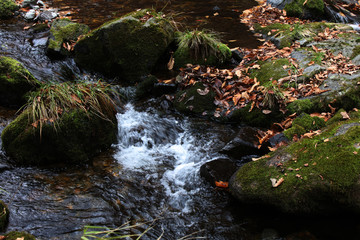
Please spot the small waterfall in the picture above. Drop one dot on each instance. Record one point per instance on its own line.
(164, 149)
(337, 13)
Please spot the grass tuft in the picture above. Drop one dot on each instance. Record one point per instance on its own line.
(201, 44)
(48, 103)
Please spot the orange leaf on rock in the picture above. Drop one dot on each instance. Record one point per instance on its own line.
(221, 184)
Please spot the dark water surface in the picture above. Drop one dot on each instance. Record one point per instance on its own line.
(217, 15)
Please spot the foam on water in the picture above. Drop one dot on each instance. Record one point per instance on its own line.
(165, 148)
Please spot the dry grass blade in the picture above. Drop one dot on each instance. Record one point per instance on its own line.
(47, 105)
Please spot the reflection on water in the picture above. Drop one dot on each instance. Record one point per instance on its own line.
(220, 16)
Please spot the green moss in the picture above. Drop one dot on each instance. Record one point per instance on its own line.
(15, 82)
(309, 123)
(294, 130)
(200, 47)
(7, 8)
(316, 178)
(78, 137)
(301, 106)
(270, 70)
(14, 235)
(302, 124)
(131, 56)
(299, 9)
(356, 52)
(64, 31)
(254, 118)
(4, 215)
(190, 101)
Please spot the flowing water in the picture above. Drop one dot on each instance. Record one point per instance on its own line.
(152, 172)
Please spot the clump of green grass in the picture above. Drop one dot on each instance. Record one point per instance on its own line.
(201, 44)
(48, 103)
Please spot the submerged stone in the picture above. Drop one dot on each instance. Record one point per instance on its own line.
(7, 8)
(63, 31)
(318, 175)
(128, 47)
(15, 82)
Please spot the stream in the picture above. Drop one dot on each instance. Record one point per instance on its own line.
(152, 172)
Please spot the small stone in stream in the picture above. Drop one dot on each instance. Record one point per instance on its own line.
(28, 3)
(218, 170)
(47, 16)
(40, 3)
(30, 15)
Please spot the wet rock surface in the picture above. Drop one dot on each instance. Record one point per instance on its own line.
(218, 170)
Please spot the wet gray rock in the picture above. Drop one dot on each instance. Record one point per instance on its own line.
(245, 143)
(218, 170)
(28, 3)
(47, 15)
(30, 15)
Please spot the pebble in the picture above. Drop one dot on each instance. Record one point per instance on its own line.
(30, 15)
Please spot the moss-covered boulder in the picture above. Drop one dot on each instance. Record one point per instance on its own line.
(128, 47)
(314, 175)
(67, 123)
(302, 124)
(306, 9)
(197, 99)
(7, 8)
(271, 70)
(4, 215)
(14, 235)
(284, 35)
(15, 82)
(200, 48)
(63, 31)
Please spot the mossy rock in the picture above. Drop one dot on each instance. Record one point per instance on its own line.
(302, 124)
(194, 101)
(210, 50)
(78, 137)
(283, 35)
(254, 118)
(7, 8)
(344, 92)
(62, 123)
(63, 31)
(4, 215)
(145, 87)
(15, 82)
(271, 70)
(311, 9)
(14, 235)
(128, 47)
(320, 175)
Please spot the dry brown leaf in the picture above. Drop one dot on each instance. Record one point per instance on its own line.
(203, 92)
(345, 115)
(275, 183)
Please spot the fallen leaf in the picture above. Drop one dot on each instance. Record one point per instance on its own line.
(266, 111)
(345, 115)
(326, 140)
(275, 183)
(203, 92)
(221, 184)
(170, 64)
